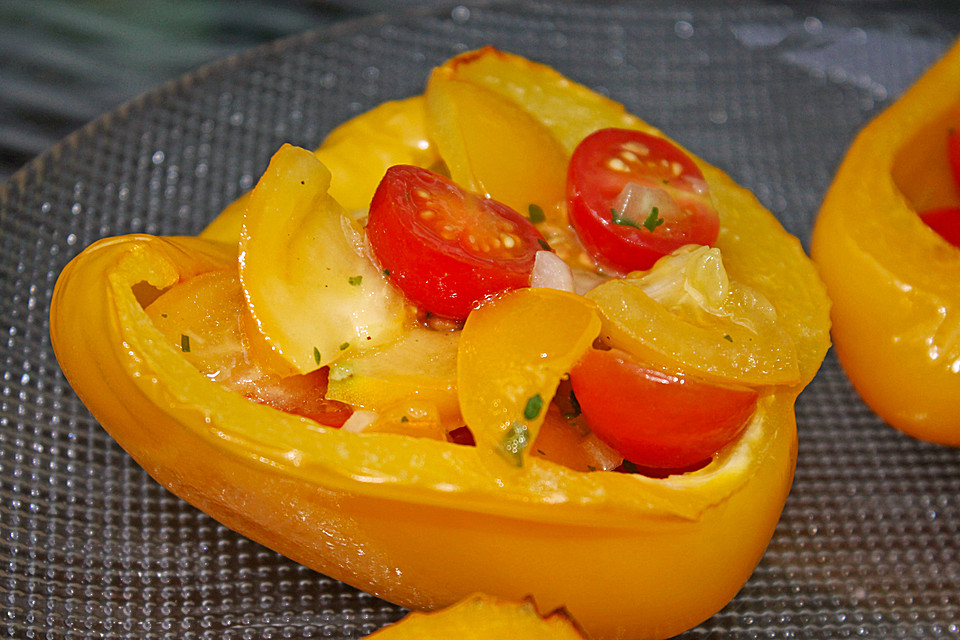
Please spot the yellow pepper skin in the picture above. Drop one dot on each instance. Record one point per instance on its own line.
(484, 618)
(422, 522)
(893, 280)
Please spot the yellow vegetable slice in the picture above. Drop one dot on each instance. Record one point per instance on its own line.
(422, 364)
(360, 151)
(686, 315)
(569, 110)
(312, 293)
(507, 377)
(494, 147)
(200, 314)
(484, 618)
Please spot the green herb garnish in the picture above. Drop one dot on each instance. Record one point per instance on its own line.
(543, 244)
(515, 440)
(316, 355)
(617, 218)
(355, 280)
(534, 405)
(386, 272)
(728, 337)
(344, 346)
(653, 220)
(535, 214)
(184, 343)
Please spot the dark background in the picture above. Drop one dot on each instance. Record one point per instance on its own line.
(64, 63)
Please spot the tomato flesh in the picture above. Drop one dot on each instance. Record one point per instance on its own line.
(302, 395)
(655, 419)
(446, 248)
(634, 197)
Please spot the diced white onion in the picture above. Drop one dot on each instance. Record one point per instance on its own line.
(584, 281)
(359, 421)
(551, 272)
(635, 203)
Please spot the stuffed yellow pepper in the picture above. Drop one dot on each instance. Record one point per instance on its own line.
(499, 338)
(887, 241)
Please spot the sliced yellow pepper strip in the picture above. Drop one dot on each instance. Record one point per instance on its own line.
(506, 378)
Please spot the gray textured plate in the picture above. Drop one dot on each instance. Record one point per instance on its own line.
(869, 543)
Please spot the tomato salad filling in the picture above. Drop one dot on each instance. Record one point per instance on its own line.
(632, 199)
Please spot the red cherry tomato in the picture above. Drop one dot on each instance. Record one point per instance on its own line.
(666, 206)
(448, 249)
(945, 221)
(655, 419)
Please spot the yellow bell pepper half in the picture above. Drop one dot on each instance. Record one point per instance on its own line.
(423, 522)
(893, 280)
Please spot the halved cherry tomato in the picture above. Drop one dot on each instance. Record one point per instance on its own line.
(635, 197)
(945, 219)
(946, 222)
(656, 419)
(448, 249)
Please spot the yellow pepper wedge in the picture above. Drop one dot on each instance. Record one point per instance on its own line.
(507, 378)
(422, 522)
(483, 617)
(893, 280)
(473, 125)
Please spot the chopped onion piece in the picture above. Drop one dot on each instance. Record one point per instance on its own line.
(636, 202)
(584, 281)
(359, 421)
(551, 272)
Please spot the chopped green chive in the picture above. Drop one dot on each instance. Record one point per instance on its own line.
(316, 355)
(184, 343)
(515, 440)
(386, 273)
(355, 280)
(535, 214)
(534, 405)
(653, 220)
(543, 244)
(617, 218)
(404, 419)
(727, 337)
(344, 346)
